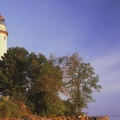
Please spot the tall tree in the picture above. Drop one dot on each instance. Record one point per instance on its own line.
(46, 83)
(13, 71)
(80, 79)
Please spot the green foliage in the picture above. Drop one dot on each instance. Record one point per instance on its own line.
(45, 104)
(36, 63)
(46, 82)
(50, 79)
(36, 80)
(9, 109)
(81, 81)
(44, 91)
(13, 70)
(70, 108)
(52, 105)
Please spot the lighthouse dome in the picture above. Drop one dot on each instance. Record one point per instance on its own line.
(2, 24)
(1, 17)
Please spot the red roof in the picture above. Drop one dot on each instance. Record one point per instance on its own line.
(1, 17)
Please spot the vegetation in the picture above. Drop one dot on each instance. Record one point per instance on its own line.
(37, 82)
(9, 109)
(80, 80)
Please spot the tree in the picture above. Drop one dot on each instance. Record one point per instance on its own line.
(80, 79)
(13, 71)
(46, 82)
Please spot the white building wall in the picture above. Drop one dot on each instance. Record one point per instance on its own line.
(3, 44)
(3, 37)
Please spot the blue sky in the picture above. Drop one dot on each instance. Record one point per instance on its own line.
(62, 27)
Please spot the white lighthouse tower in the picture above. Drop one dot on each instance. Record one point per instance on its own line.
(3, 37)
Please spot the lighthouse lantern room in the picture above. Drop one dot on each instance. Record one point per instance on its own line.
(3, 37)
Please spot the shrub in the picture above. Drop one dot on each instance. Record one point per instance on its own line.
(9, 109)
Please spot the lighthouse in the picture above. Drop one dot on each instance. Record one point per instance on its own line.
(3, 37)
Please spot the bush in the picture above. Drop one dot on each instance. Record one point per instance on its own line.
(9, 109)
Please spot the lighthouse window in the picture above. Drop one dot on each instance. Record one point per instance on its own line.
(4, 37)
